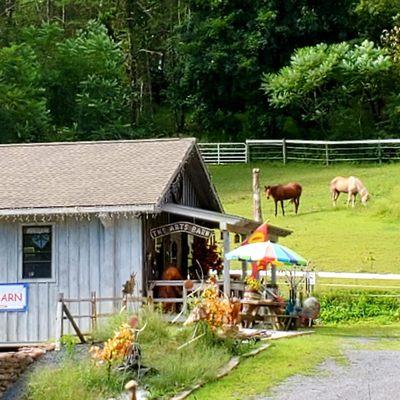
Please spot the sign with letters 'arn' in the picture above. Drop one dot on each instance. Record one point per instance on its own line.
(13, 297)
(185, 227)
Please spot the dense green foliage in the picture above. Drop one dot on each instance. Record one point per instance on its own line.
(345, 306)
(217, 69)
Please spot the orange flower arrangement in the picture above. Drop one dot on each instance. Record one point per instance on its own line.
(117, 347)
(215, 310)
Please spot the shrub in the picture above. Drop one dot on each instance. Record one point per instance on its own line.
(341, 306)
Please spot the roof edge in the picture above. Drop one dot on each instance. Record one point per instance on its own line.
(142, 208)
(87, 142)
(208, 176)
(176, 172)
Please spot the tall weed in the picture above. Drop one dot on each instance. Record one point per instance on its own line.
(73, 380)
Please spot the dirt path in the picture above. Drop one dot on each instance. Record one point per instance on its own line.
(367, 375)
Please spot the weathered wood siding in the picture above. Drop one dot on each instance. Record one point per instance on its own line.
(86, 257)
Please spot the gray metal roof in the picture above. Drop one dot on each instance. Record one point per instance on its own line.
(88, 176)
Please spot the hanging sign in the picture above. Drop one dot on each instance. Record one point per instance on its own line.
(185, 227)
(13, 297)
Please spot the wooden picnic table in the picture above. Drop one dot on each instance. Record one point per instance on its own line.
(271, 314)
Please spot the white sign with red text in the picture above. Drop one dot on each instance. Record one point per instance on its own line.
(13, 297)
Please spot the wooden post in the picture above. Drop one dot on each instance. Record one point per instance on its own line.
(59, 321)
(93, 311)
(227, 278)
(380, 151)
(284, 151)
(73, 323)
(244, 270)
(326, 154)
(273, 274)
(257, 214)
(184, 298)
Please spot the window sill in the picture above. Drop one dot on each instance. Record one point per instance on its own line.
(37, 280)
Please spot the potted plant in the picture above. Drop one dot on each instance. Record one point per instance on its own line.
(252, 289)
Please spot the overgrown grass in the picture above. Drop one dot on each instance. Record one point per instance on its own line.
(72, 380)
(363, 239)
(176, 368)
(172, 368)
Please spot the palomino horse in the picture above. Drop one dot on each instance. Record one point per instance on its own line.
(351, 186)
(291, 191)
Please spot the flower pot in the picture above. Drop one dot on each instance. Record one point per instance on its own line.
(250, 294)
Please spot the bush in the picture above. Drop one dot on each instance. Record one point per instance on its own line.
(341, 306)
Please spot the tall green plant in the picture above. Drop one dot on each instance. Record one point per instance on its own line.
(23, 113)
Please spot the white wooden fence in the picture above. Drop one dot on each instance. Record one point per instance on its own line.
(327, 152)
(222, 153)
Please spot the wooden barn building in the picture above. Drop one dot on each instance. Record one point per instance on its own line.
(82, 217)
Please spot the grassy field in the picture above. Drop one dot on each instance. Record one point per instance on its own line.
(364, 239)
(299, 355)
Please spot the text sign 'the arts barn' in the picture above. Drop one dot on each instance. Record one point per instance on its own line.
(13, 297)
(185, 227)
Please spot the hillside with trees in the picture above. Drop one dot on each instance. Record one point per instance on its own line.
(214, 69)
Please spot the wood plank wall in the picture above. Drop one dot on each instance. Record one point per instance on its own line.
(87, 257)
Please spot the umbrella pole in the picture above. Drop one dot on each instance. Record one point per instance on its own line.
(244, 270)
(273, 274)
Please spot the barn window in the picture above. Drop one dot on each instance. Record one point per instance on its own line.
(36, 252)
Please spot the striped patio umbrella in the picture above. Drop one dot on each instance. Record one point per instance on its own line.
(266, 252)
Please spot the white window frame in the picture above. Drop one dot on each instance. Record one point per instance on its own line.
(53, 278)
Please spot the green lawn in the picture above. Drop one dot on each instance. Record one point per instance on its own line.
(286, 357)
(341, 239)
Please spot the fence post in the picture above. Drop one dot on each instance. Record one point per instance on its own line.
(246, 153)
(93, 310)
(184, 295)
(59, 320)
(379, 151)
(218, 154)
(284, 151)
(326, 154)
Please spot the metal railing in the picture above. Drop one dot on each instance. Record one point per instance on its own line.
(327, 152)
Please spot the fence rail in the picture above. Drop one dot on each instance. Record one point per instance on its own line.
(328, 152)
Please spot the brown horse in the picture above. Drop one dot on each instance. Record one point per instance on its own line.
(291, 191)
(171, 273)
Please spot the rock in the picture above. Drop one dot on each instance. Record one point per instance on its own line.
(13, 364)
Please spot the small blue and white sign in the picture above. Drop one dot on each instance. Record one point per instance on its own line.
(13, 297)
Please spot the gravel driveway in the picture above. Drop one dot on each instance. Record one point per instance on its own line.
(368, 375)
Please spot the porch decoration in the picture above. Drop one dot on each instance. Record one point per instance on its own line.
(220, 313)
(206, 255)
(252, 292)
(252, 284)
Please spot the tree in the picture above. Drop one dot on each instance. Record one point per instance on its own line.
(23, 114)
(84, 80)
(326, 80)
(225, 46)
